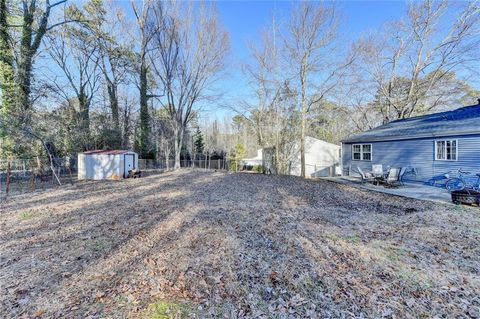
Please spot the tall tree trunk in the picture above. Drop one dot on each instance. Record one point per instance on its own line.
(126, 126)
(144, 116)
(167, 157)
(302, 145)
(84, 106)
(303, 81)
(25, 65)
(7, 81)
(178, 136)
(113, 99)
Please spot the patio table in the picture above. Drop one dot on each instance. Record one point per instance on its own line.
(379, 177)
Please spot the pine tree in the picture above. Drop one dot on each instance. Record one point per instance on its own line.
(199, 143)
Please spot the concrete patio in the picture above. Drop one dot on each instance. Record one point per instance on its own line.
(410, 190)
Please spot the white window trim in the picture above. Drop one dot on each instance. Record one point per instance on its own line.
(361, 152)
(446, 160)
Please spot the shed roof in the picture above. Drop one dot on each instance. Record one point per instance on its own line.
(462, 121)
(106, 152)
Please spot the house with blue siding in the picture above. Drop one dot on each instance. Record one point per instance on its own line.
(433, 145)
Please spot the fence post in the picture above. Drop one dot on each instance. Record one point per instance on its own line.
(7, 186)
(70, 171)
(33, 181)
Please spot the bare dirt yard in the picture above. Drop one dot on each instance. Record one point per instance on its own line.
(217, 245)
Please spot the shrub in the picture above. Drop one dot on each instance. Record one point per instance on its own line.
(26, 215)
(233, 166)
(257, 168)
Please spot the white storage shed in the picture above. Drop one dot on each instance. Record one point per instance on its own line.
(102, 164)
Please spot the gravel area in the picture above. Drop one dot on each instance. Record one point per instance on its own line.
(196, 244)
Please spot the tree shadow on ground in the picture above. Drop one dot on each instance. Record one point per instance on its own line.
(237, 244)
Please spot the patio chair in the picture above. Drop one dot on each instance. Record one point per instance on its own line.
(377, 170)
(366, 176)
(393, 178)
(400, 176)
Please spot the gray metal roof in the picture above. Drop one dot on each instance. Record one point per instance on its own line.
(462, 121)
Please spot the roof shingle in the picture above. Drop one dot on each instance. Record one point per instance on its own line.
(462, 121)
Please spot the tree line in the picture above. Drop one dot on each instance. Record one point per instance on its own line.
(89, 77)
(82, 76)
(307, 80)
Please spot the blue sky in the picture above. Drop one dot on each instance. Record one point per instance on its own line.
(245, 20)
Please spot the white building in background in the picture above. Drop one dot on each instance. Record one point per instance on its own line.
(252, 161)
(321, 159)
(99, 164)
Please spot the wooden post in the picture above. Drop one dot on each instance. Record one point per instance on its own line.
(70, 172)
(32, 181)
(7, 186)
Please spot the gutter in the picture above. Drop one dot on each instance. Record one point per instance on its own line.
(406, 137)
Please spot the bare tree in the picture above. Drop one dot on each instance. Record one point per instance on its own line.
(146, 33)
(414, 65)
(103, 22)
(310, 49)
(23, 25)
(34, 24)
(188, 54)
(163, 135)
(127, 129)
(70, 49)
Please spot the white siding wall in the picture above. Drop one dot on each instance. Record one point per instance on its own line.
(102, 166)
(320, 158)
(82, 173)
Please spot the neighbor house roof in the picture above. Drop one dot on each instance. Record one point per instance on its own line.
(462, 121)
(105, 152)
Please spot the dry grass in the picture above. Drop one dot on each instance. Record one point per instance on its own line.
(205, 244)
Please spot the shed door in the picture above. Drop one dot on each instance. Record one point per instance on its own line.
(129, 163)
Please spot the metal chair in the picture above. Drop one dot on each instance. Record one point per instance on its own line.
(377, 170)
(393, 177)
(366, 176)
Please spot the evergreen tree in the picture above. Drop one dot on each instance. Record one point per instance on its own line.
(199, 143)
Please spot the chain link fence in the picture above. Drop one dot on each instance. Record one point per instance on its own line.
(19, 176)
(145, 165)
(27, 175)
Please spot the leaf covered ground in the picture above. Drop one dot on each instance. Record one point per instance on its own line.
(218, 245)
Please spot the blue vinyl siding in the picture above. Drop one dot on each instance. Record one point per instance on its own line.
(418, 153)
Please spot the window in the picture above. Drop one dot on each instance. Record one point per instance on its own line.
(446, 150)
(362, 152)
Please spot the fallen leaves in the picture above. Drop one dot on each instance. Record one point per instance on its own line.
(214, 245)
